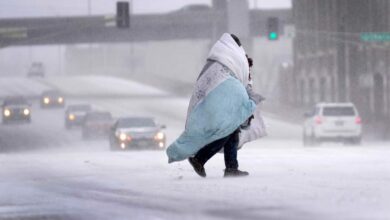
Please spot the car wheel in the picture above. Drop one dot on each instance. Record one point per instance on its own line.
(355, 141)
(358, 141)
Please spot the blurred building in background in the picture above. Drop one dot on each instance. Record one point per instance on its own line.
(333, 63)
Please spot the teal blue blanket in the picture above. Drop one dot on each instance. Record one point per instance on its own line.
(220, 113)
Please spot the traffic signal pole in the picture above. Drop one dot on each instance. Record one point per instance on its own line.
(122, 14)
(273, 28)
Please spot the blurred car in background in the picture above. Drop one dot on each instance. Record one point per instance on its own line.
(16, 109)
(337, 122)
(75, 114)
(52, 99)
(36, 70)
(194, 8)
(96, 124)
(136, 133)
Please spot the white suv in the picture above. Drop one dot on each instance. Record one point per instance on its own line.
(332, 122)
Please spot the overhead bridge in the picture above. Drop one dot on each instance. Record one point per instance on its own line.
(151, 27)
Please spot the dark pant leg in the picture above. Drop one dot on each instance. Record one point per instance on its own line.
(230, 150)
(211, 149)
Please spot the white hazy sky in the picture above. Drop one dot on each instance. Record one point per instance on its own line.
(34, 8)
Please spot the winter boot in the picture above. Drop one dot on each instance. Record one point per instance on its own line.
(231, 172)
(198, 167)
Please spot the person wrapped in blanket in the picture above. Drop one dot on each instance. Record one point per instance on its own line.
(222, 103)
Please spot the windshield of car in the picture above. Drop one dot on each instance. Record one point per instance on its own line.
(338, 111)
(15, 101)
(51, 93)
(136, 122)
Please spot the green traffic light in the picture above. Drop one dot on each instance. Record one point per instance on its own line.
(273, 36)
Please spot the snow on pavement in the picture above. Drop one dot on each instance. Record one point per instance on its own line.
(287, 181)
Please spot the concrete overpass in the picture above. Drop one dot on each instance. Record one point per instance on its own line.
(203, 24)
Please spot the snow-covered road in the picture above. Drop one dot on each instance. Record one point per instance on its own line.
(47, 172)
(286, 182)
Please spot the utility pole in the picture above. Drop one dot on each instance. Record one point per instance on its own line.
(342, 54)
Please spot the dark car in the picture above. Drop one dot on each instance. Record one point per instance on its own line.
(75, 114)
(96, 124)
(136, 132)
(16, 109)
(36, 70)
(52, 99)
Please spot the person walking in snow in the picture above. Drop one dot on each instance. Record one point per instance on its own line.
(229, 144)
(219, 104)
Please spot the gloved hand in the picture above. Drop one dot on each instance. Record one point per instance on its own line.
(247, 123)
(257, 98)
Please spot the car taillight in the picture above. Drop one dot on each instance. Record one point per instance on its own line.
(318, 120)
(358, 120)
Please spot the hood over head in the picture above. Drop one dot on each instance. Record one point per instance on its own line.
(229, 53)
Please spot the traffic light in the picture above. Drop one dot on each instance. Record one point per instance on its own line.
(273, 28)
(122, 15)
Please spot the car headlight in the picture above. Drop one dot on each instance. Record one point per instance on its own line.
(122, 137)
(7, 112)
(161, 145)
(71, 117)
(46, 100)
(60, 100)
(159, 136)
(26, 111)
